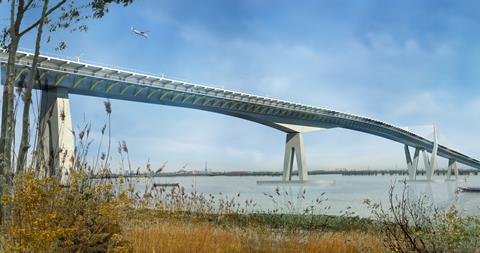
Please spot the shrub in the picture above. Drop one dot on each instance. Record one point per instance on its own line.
(419, 226)
(46, 217)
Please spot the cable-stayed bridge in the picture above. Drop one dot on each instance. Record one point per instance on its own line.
(57, 77)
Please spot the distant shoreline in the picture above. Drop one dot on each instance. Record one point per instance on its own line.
(279, 173)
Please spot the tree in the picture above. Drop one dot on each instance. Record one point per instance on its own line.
(24, 142)
(62, 15)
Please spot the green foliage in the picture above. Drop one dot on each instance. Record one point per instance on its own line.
(100, 7)
(231, 211)
(418, 226)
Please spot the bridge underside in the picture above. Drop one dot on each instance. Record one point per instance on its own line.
(59, 148)
(58, 141)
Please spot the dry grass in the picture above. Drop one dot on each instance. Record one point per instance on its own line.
(180, 236)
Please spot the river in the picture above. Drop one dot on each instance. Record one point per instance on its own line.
(338, 193)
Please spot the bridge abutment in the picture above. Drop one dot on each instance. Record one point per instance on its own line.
(57, 141)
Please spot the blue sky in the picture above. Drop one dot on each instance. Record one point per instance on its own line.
(409, 63)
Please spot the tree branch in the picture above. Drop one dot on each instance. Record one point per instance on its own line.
(38, 21)
(27, 6)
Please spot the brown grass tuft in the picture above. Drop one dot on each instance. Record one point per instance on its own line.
(178, 236)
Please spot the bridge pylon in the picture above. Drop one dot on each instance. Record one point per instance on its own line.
(57, 141)
(429, 162)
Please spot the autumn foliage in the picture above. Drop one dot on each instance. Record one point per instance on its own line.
(46, 217)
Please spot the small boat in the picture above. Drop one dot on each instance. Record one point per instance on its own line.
(469, 189)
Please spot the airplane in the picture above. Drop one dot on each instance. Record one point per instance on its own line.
(140, 33)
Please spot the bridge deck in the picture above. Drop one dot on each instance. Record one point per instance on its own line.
(100, 81)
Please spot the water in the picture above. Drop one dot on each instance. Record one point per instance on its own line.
(346, 193)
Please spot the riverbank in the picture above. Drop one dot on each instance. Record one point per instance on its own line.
(86, 216)
(152, 231)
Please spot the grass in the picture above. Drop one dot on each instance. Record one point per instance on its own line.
(186, 236)
(187, 227)
(96, 217)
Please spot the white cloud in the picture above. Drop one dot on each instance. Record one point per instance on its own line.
(422, 103)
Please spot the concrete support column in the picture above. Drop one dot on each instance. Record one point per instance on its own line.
(412, 165)
(452, 165)
(294, 150)
(430, 164)
(56, 139)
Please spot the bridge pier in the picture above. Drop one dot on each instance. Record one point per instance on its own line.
(452, 165)
(294, 150)
(57, 141)
(429, 162)
(412, 165)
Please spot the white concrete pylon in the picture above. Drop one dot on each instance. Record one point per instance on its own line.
(412, 165)
(57, 141)
(294, 150)
(430, 164)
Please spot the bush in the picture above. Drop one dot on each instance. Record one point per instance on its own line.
(46, 217)
(418, 226)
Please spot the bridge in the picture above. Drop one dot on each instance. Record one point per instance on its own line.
(58, 77)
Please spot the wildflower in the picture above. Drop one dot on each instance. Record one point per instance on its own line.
(81, 135)
(119, 148)
(124, 146)
(108, 106)
(148, 167)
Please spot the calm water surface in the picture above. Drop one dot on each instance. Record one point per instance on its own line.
(340, 192)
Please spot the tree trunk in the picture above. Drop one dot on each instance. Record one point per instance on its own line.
(25, 142)
(8, 127)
